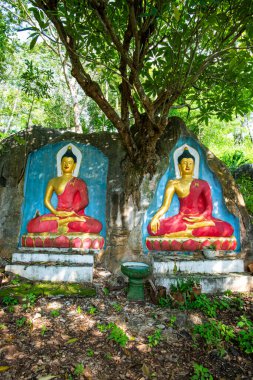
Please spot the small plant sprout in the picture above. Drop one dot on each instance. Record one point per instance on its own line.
(29, 300)
(172, 321)
(108, 356)
(92, 310)
(102, 327)
(79, 310)
(214, 334)
(245, 334)
(29, 323)
(201, 373)
(165, 302)
(43, 330)
(10, 301)
(55, 313)
(15, 280)
(117, 335)
(90, 352)
(21, 321)
(118, 308)
(155, 338)
(106, 291)
(175, 270)
(79, 369)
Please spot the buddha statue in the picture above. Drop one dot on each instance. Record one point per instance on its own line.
(68, 218)
(194, 220)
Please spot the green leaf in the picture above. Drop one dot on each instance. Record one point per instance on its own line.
(25, 29)
(145, 370)
(20, 140)
(38, 16)
(4, 368)
(249, 30)
(33, 42)
(72, 340)
(177, 13)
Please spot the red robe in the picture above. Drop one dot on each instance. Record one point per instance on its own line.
(73, 198)
(197, 203)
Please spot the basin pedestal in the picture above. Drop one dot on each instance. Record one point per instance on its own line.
(135, 290)
(136, 272)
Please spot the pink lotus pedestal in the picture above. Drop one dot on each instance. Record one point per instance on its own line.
(81, 241)
(163, 243)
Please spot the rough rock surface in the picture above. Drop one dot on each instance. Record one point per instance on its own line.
(246, 169)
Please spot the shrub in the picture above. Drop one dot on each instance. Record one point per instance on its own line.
(245, 335)
(115, 333)
(155, 338)
(214, 334)
(234, 160)
(245, 185)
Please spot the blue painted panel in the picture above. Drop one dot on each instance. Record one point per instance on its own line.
(41, 167)
(220, 210)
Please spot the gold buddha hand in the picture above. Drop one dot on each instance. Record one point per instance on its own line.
(155, 224)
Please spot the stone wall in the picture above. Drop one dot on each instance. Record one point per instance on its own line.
(123, 217)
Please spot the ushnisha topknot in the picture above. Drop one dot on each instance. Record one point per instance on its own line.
(185, 154)
(69, 153)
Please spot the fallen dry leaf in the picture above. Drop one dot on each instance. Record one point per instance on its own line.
(145, 370)
(72, 340)
(4, 368)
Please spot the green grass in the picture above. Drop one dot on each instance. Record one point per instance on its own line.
(47, 289)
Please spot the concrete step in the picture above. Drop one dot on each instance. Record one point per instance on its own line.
(212, 283)
(32, 257)
(167, 265)
(53, 271)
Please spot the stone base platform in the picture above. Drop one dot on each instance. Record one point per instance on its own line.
(212, 266)
(163, 243)
(56, 240)
(216, 275)
(214, 283)
(53, 265)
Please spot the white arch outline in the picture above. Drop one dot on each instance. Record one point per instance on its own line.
(195, 154)
(76, 152)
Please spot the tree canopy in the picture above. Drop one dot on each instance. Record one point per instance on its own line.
(154, 55)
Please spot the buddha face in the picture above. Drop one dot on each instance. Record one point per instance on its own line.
(186, 166)
(68, 165)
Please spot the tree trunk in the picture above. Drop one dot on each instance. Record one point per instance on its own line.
(73, 89)
(147, 137)
(12, 113)
(249, 125)
(30, 112)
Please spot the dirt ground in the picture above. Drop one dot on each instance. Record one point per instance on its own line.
(68, 338)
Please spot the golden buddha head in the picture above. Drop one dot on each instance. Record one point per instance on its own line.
(186, 162)
(68, 161)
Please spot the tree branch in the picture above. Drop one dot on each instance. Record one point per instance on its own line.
(99, 7)
(90, 87)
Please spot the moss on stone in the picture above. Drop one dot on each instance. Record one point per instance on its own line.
(48, 289)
